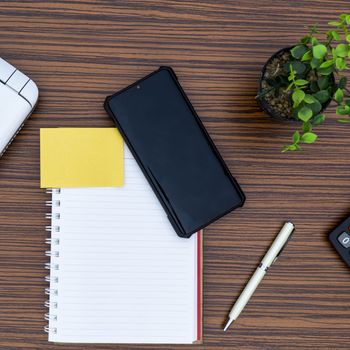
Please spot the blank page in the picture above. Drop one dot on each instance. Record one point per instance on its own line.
(119, 273)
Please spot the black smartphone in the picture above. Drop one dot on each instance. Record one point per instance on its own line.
(174, 151)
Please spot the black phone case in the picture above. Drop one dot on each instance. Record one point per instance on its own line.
(148, 174)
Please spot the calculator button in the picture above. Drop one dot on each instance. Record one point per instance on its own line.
(344, 240)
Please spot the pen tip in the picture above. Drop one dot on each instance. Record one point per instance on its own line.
(229, 321)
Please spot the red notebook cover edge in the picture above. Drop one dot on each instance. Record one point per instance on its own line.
(199, 286)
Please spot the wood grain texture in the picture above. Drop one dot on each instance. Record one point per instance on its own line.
(81, 51)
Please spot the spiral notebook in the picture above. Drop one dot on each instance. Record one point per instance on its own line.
(118, 271)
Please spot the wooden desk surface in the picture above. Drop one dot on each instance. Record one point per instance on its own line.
(81, 51)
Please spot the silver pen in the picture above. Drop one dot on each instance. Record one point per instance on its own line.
(270, 257)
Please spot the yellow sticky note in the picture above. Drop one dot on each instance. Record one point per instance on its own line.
(81, 157)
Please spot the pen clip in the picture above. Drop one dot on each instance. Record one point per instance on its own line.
(283, 247)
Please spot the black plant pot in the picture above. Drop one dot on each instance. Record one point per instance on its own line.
(265, 106)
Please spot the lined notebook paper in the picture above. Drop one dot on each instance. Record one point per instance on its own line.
(118, 271)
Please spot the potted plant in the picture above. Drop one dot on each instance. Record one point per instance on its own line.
(299, 82)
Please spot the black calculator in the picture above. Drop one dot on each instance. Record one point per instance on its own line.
(340, 238)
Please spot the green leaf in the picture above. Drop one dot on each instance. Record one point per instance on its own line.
(348, 38)
(322, 96)
(296, 137)
(343, 16)
(334, 34)
(338, 96)
(342, 50)
(323, 83)
(342, 82)
(301, 82)
(343, 110)
(319, 119)
(344, 120)
(347, 19)
(298, 96)
(307, 56)
(319, 51)
(334, 55)
(340, 63)
(314, 40)
(309, 99)
(289, 148)
(307, 127)
(289, 86)
(334, 23)
(291, 73)
(326, 71)
(298, 67)
(315, 107)
(327, 64)
(305, 114)
(305, 40)
(315, 63)
(298, 51)
(308, 137)
(314, 87)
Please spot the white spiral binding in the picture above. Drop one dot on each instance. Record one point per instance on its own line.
(53, 190)
(48, 329)
(52, 305)
(52, 228)
(49, 278)
(49, 291)
(52, 241)
(52, 203)
(49, 266)
(50, 216)
(53, 253)
(49, 317)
